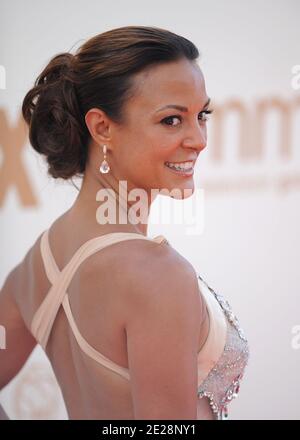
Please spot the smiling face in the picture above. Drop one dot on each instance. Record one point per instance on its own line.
(154, 141)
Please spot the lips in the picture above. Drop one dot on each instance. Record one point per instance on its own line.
(181, 166)
(182, 161)
(186, 172)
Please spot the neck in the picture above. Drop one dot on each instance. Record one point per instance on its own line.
(102, 204)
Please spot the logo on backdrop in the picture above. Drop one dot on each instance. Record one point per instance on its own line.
(14, 174)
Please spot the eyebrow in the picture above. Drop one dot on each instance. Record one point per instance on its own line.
(180, 107)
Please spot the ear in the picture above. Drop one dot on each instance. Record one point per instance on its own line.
(99, 125)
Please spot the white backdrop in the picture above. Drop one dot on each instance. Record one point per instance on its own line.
(249, 248)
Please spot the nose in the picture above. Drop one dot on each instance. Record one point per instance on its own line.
(196, 138)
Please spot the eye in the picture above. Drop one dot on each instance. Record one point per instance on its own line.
(203, 117)
(205, 113)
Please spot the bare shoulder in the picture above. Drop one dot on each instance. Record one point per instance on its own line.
(143, 273)
(163, 311)
(157, 272)
(139, 269)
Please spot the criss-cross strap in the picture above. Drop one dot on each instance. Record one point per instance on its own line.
(45, 315)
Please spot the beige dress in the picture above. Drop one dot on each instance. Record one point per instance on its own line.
(221, 361)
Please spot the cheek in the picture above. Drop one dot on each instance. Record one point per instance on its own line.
(167, 150)
(148, 149)
(167, 144)
(162, 145)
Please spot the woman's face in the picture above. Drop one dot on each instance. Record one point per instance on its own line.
(153, 138)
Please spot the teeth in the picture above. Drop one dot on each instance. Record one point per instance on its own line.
(184, 166)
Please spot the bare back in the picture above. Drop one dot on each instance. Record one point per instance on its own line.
(96, 294)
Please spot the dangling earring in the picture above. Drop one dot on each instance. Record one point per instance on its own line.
(104, 167)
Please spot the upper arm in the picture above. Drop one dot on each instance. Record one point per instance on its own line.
(162, 339)
(19, 342)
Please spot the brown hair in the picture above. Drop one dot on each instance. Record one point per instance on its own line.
(100, 74)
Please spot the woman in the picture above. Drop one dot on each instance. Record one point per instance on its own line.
(130, 328)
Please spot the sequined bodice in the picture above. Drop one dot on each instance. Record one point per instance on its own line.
(223, 381)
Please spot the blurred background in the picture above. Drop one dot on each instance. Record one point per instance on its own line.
(249, 246)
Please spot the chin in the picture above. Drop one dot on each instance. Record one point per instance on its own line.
(180, 192)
